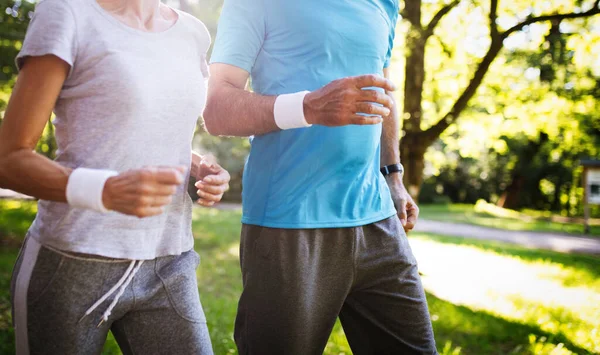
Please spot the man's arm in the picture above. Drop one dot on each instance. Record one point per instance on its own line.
(390, 151)
(233, 111)
(408, 212)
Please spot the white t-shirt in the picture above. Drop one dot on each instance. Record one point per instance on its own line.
(132, 99)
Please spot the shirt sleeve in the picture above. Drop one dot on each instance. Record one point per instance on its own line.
(240, 33)
(52, 31)
(392, 35)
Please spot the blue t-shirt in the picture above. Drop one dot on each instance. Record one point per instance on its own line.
(316, 177)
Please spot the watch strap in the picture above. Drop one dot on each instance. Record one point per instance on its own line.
(393, 168)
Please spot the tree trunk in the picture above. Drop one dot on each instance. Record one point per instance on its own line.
(412, 148)
(512, 197)
(412, 155)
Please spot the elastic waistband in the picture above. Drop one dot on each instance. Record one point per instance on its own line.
(85, 257)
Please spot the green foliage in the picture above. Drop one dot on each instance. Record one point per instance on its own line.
(14, 18)
(231, 153)
(534, 117)
(15, 219)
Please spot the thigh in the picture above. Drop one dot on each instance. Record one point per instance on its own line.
(295, 282)
(161, 332)
(51, 294)
(167, 317)
(387, 312)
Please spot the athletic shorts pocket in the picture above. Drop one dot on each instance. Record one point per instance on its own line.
(46, 271)
(178, 275)
(393, 237)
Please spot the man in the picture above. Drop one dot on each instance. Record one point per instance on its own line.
(320, 236)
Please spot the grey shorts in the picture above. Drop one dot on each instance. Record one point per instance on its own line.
(158, 312)
(298, 281)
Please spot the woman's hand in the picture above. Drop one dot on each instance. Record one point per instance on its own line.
(211, 180)
(143, 192)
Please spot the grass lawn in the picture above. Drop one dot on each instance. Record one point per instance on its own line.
(484, 297)
(487, 215)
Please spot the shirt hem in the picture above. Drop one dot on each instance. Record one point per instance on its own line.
(244, 66)
(317, 225)
(104, 251)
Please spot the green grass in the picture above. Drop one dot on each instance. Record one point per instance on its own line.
(487, 215)
(484, 297)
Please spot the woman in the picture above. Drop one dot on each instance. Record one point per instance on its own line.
(111, 247)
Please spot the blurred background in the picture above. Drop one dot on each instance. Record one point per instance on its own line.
(500, 106)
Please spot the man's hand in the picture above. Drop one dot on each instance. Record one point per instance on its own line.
(211, 180)
(408, 211)
(142, 192)
(338, 103)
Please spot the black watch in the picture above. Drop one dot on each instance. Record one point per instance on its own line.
(390, 169)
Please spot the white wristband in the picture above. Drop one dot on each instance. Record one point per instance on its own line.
(85, 186)
(289, 111)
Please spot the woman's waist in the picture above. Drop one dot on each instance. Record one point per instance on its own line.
(60, 218)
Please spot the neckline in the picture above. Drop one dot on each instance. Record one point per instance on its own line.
(130, 29)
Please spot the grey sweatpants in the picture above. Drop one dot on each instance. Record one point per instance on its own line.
(298, 281)
(159, 312)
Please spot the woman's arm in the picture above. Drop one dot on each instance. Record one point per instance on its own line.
(30, 106)
(140, 192)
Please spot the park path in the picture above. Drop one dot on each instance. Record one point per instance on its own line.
(11, 194)
(565, 243)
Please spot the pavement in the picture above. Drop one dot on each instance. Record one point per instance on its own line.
(14, 195)
(565, 243)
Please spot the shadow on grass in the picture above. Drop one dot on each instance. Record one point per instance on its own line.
(478, 332)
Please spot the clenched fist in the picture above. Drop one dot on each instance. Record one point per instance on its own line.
(143, 192)
(340, 102)
(212, 181)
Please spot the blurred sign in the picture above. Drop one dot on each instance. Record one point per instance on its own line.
(593, 182)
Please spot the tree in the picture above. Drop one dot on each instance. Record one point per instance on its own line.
(417, 139)
(14, 19)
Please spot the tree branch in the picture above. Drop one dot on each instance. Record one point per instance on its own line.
(595, 10)
(439, 16)
(437, 129)
(493, 17)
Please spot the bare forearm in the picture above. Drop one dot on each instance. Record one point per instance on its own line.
(32, 174)
(232, 111)
(390, 151)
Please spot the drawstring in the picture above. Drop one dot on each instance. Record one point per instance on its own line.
(133, 268)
